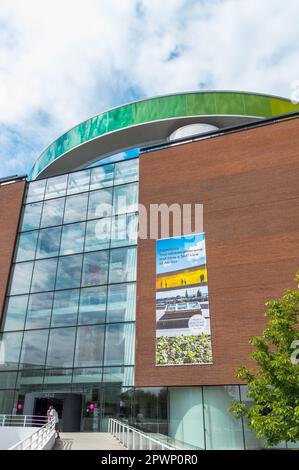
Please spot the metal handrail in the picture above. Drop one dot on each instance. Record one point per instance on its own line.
(133, 439)
(39, 438)
(26, 420)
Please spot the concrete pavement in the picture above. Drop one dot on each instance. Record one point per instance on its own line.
(87, 441)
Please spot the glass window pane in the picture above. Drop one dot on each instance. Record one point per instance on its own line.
(125, 199)
(124, 230)
(122, 376)
(61, 347)
(121, 303)
(31, 216)
(100, 204)
(53, 212)
(48, 242)
(75, 208)
(39, 311)
(56, 186)
(78, 182)
(58, 376)
(125, 172)
(15, 313)
(117, 401)
(72, 239)
(36, 191)
(186, 423)
(30, 379)
(223, 431)
(69, 272)
(122, 265)
(44, 275)
(6, 402)
(65, 308)
(10, 345)
(290, 445)
(90, 375)
(98, 234)
(89, 345)
(120, 344)
(26, 246)
(34, 348)
(8, 380)
(95, 268)
(21, 278)
(92, 305)
(102, 177)
(150, 409)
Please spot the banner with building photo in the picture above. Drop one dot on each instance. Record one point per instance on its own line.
(183, 334)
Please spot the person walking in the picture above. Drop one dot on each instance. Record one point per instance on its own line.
(53, 414)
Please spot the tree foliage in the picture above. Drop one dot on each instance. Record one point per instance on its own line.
(273, 386)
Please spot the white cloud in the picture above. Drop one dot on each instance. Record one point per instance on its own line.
(64, 60)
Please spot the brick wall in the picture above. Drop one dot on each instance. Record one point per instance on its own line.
(248, 183)
(11, 197)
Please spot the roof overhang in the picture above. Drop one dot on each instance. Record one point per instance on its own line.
(149, 122)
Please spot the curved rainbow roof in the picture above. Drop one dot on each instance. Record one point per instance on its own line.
(151, 121)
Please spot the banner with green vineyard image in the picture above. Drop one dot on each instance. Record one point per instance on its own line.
(183, 332)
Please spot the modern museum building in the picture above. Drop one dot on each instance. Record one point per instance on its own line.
(104, 313)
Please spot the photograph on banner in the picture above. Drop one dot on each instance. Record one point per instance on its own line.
(183, 332)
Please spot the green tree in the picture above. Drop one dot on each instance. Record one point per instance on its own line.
(273, 386)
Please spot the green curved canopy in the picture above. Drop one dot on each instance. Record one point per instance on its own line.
(156, 109)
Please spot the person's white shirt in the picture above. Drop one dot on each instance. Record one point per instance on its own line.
(55, 415)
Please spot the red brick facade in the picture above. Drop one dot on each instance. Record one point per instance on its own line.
(11, 197)
(248, 183)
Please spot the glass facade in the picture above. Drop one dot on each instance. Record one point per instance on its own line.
(69, 319)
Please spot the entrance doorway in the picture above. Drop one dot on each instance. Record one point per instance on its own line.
(42, 405)
(68, 407)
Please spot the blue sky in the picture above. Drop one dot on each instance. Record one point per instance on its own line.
(62, 61)
(177, 253)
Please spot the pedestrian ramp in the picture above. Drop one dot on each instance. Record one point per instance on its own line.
(87, 441)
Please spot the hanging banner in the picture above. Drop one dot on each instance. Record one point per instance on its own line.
(183, 334)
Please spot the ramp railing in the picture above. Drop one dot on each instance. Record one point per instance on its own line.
(134, 439)
(38, 439)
